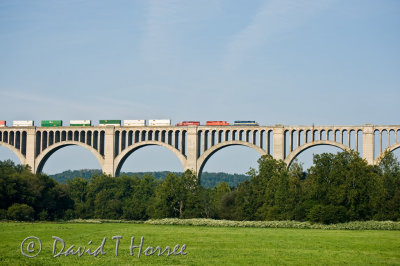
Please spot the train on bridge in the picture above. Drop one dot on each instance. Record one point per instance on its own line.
(132, 123)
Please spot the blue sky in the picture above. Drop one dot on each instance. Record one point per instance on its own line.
(277, 62)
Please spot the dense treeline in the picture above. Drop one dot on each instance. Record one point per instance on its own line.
(337, 188)
(208, 180)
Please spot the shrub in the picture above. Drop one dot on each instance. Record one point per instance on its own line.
(20, 212)
(327, 214)
(3, 214)
(367, 225)
(43, 215)
(68, 215)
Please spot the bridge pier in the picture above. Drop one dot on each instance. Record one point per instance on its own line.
(108, 166)
(192, 150)
(30, 149)
(279, 143)
(368, 143)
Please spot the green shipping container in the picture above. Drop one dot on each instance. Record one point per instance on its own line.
(51, 123)
(110, 122)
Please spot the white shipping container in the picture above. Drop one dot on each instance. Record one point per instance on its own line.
(160, 122)
(80, 122)
(23, 123)
(135, 123)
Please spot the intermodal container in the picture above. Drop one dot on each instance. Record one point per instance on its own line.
(2, 123)
(80, 123)
(189, 123)
(245, 123)
(160, 122)
(51, 123)
(110, 122)
(135, 123)
(217, 123)
(23, 123)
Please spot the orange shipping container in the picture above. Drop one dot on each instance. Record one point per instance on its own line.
(2, 123)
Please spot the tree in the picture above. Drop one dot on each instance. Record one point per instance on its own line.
(264, 195)
(77, 191)
(178, 196)
(217, 209)
(388, 206)
(345, 180)
(20, 212)
(136, 205)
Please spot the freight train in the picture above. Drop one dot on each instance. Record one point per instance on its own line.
(129, 123)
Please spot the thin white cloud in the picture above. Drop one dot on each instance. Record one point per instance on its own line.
(273, 18)
(166, 26)
(72, 107)
(157, 42)
(33, 99)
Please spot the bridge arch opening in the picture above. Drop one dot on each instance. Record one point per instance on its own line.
(231, 159)
(68, 157)
(7, 154)
(394, 149)
(396, 153)
(149, 158)
(306, 155)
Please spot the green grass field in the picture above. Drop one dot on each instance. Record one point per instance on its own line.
(205, 245)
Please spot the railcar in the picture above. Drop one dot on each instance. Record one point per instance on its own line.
(80, 123)
(245, 123)
(23, 123)
(189, 123)
(217, 123)
(109, 122)
(51, 123)
(159, 122)
(135, 123)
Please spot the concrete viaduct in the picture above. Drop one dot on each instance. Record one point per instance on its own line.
(194, 145)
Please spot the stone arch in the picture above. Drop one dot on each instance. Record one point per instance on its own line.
(389, 149)
(20, 156)
(289, 159)
(202, 160)
(46, 153)
(121, 158)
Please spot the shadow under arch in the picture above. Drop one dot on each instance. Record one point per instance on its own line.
(21, 157)
(383, 153)
(46, 153)
(202, 160)
(289, 159)
(121, 158)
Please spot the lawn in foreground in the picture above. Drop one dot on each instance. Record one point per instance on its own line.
(205, 245)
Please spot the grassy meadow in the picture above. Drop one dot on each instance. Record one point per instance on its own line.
(205, 245)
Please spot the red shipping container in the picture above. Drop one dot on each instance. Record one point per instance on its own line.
(2, 123)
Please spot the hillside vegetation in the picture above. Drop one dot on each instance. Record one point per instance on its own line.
(208, 180)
